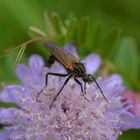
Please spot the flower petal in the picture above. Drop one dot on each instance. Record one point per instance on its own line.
(129, 121)
(23, 73)
(4, 134)
(29, 77)
(92, 63)
(57, 68)
(36, 62)
(71, 48)
(113, 80)
(18, 134)
(7, 115)
(11, 94)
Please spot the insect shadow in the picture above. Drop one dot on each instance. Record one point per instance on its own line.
(75, 69)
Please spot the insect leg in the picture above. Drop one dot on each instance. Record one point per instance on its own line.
(60, 91)
(46, 83)
(77, 81)
(99, 88)
(85, 87)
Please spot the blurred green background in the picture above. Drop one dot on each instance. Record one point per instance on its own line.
(114, 17)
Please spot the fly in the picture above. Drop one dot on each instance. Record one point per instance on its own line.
(73, 67)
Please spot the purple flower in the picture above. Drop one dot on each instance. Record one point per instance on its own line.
(71, 116)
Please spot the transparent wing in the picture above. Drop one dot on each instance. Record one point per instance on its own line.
(65, 57)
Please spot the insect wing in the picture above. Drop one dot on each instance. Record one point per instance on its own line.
(66, 58)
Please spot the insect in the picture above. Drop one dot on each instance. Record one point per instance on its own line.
(75, 69)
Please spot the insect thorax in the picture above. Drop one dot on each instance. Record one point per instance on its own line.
(78, 70)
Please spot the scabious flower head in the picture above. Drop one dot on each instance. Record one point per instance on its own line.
(71, 116)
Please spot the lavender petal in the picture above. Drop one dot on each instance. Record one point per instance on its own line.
(11, 94)
(70, 47)
(92, 63)
(4, 134)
